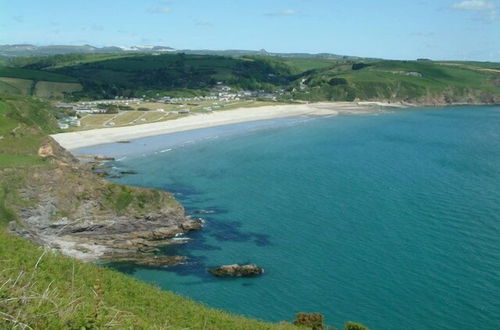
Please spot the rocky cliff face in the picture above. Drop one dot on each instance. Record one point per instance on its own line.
(69, 208)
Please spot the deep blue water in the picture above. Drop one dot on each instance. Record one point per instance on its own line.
(392, 220)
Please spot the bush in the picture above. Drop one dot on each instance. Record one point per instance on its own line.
(314, 321)
(359, 66)
(354, 326)
(125, 107)
(337, 81)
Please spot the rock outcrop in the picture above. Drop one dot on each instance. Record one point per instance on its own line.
(237, 270)
(72, 209)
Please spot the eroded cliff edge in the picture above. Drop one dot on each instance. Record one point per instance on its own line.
(66, 206)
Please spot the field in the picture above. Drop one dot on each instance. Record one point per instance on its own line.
(36, 75)
(36, 83)
(301, 65)
(134, 117)
(307, 78)
(16, 85)
(48, 89)
(412, 81)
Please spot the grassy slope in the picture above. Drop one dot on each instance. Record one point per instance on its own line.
(34, 75)
(138, 74)
(53, 291)
(300, 65)
(49, 291)
(386, 80)
(35, 82)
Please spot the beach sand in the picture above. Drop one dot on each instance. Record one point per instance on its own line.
(75, 140)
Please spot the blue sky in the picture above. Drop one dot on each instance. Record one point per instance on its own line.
(405, 29)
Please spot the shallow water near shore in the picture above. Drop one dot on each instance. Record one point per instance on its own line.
(392, 220)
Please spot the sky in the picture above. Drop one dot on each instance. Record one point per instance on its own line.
(404, 29)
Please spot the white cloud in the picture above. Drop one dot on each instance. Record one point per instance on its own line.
(486, 9)
(285, 12)
(478, 5)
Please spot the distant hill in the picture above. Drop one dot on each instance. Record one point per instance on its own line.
(20, 50)
(299, 77)
(32, 50)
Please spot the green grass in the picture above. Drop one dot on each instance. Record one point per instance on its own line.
(45, 290)
(37, 75)
(48, 89)
(132, 75)
(300, 65)
(391, 80)
(7, 160)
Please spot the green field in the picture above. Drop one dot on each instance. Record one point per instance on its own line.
(37, 75)
(300, 65)
(16, 86)
(48, 89)
(412, 81)
(37, 83)
(307, 78)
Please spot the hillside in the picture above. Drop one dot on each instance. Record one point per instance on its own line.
(421, 82)
(36, 83)
(299, 78)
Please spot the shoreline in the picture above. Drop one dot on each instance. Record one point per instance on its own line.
(75, 140)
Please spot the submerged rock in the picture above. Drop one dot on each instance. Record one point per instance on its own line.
(237, 270)
(192, 224)
(103, 158)
(153, 261)
(128, 172)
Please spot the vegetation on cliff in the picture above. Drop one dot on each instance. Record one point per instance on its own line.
(40, 289)
(423, 82)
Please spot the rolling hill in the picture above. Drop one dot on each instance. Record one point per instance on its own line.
(303, 78)
(424, 82)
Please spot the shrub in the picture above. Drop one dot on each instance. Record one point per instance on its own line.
(314, 321)
(337, 81)
(359, 66)
(354, 326)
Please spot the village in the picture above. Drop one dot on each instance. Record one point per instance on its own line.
(122, 111)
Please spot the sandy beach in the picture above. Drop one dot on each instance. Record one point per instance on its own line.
(75, 140)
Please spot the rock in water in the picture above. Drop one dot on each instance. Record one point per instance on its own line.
(237, 270)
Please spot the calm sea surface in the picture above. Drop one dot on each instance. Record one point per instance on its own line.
(392, 219)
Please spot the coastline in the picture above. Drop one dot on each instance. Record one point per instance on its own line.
(75, 140)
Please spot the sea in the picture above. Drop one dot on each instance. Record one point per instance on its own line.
(391, 219)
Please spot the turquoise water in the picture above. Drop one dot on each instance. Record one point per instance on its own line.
(392, 220)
